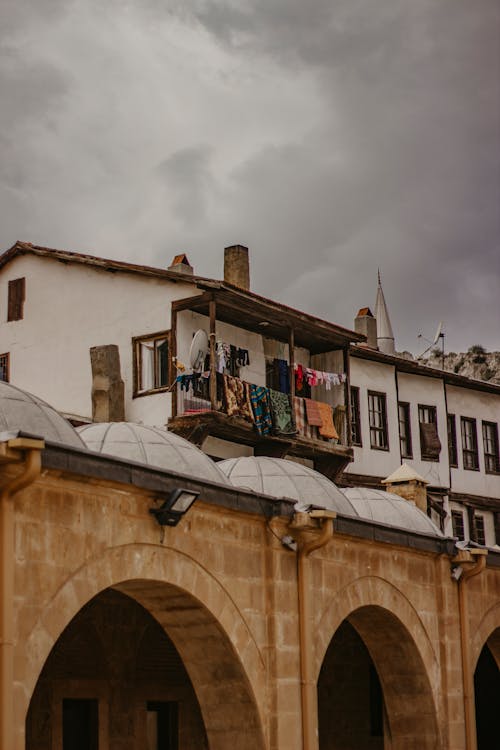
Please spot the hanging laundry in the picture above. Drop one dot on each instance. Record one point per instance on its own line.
(242, 357)
(259, 396)
(327, 428)
(313, 413)
(281, 413)
(299, 378)
(299, 415)
(283, 376)
(237, 398)
(220, 357)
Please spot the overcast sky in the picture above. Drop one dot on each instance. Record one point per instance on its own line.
(332, 137)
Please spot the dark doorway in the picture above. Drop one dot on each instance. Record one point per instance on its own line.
(80, 724)
(350, 699)
(487, 694)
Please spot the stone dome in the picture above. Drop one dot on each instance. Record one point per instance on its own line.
(391, 510)
(153, 446)
(280, 478)
(20, 410)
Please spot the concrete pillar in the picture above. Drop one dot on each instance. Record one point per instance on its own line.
(108, 391)
(236, 266)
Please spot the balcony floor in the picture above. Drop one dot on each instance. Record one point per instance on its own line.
(329, 458)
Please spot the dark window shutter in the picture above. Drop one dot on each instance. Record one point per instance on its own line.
(429, 441)
(17, 293)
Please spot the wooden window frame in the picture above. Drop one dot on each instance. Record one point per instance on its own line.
(381, 399)
(470, 451)
(479, 535)
(355, 417)
(6, 357)
(451, 426)
(406, 422)
(490, 447)
(137, 363)
(432, 419)
(457, 519)
(16, 298)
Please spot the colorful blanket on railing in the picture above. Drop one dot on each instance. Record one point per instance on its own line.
(259, 396)
(237, 398)
(281, 413)
(327, 428)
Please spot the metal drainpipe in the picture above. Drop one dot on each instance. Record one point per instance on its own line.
(306, 640)
(31, 470)
(467, 676)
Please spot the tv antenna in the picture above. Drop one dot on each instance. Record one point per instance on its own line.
(438, 335)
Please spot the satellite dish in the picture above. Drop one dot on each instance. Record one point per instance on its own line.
(198, 350)
(438, 332)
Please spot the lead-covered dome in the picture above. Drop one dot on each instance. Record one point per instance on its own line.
(280, 478)
(153, 446)
(20, 410)
(391, 510)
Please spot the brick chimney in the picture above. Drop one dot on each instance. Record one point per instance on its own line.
(181, 264)
(236, 266)
(365, 323)
(406, 483)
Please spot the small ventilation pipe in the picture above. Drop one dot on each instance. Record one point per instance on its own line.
(466, 565)
(301, 528)
(13, 451)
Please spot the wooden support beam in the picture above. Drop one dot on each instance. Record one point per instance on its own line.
(173, 361)
(347, 396)
(291, 359)
(192, 303)
(213, 369)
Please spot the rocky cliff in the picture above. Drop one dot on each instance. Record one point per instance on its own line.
(476, 363)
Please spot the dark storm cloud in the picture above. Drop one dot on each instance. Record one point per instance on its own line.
(186, 176)
(332, 137)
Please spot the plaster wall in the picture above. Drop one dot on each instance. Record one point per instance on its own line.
(415, 390)
(70, 308)
(464, 402)
(374, 376)
(222, 579)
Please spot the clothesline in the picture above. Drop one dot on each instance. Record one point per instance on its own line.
(318, 377)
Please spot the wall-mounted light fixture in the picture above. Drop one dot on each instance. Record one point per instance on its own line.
(175, 506)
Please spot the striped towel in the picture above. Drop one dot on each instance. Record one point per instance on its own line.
(313, 413)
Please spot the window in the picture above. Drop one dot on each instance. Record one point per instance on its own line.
(452, 440)
(469, 444)
(162, 725)
(377, 416)
(355, 417)
(17, 294)
(151, 362)
(430, 445)
(479, 535)
(80, 724)
(490, 446)
(404, 430)
(457, 521)
(4, 367)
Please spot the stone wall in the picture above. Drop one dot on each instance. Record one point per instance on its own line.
(224, 591)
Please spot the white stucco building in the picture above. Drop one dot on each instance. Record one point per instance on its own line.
(56, 306)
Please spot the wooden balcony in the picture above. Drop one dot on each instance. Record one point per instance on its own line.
(328, 457)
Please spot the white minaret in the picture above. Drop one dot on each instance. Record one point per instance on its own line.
(385, 336)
